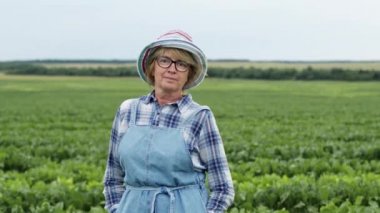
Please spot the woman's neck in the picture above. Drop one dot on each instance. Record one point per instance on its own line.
(167, 97)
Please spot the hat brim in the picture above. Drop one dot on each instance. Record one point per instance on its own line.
(199, 56)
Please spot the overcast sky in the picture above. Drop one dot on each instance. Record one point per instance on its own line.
(235, 29)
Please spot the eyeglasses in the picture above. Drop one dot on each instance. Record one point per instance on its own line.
(166, 62)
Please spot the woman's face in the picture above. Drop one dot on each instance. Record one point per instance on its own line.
(169, 79)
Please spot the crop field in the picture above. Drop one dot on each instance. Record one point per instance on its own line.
(293, 146)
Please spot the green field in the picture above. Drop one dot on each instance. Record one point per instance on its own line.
(293, 146)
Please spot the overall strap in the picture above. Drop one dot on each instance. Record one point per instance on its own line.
(189, 118)
(134, 107)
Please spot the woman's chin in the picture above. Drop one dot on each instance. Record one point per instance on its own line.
(171, 86)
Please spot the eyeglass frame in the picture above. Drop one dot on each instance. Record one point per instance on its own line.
(171, 62)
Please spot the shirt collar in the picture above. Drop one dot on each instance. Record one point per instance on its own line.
(150, 98)
(184, 102)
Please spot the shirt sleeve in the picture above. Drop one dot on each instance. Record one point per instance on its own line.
(114, 174)
(212, 153)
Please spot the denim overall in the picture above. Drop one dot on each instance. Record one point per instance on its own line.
(159, 174)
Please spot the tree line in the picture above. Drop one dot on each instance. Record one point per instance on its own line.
(308, 73)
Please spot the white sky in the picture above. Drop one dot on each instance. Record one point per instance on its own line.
(237, 29)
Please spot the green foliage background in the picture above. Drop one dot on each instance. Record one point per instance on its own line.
(293, 146)
(359, 71)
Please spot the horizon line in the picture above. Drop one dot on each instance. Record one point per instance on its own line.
(52, 60)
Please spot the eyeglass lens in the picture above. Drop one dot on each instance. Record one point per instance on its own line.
(166, 62)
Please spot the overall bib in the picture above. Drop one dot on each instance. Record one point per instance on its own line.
(159, 174)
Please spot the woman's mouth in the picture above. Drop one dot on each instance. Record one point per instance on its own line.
(171, 79)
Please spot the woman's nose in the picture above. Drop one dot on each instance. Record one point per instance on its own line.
(172, 68)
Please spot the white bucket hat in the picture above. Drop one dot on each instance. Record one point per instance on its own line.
(180, 40)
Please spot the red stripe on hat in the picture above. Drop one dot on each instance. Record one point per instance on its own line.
(179, 32)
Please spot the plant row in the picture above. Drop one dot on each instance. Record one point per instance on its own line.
(307, 194)
(22, 193)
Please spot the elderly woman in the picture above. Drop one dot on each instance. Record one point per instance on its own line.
(163, 144)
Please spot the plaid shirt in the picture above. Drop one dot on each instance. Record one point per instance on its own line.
(203, 139)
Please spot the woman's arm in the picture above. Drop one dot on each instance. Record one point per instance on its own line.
(114, 174)
(212, 154)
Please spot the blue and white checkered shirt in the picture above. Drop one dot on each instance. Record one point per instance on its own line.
(204, 141)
